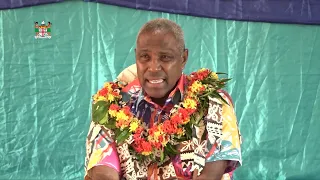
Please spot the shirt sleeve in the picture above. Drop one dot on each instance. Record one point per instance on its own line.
(100, 149)
(224, 138)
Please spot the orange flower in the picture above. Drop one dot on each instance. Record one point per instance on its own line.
(161, 139)
(126, 111)
(136, 136)
(169, 128)
(157, 145)
(185, 116)
(180, 131)
(200, 75)
(183, 113)
(176, 119)
(122, 123)
(139, 130)
(146, 148)
(137, 146)
(116, 94)
(203, 73)
(114, 107)
(186, 120)
(103, 92)
(152, 130)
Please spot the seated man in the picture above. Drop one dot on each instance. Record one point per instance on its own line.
(160, 84)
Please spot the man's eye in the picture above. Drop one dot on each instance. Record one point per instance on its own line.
(144, 57)
(166, 57)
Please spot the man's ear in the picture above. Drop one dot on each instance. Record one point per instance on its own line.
(185, 57)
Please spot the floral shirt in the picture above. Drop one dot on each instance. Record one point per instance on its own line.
(222, 143)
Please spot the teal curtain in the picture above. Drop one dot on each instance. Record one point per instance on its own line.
(46, 86)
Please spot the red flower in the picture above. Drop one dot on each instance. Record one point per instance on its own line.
(169, 128)
(161, 139)
(126, 110)
(203, 74)
(139, 130)
(191, 111)
(137, 146)
(166, 127)
(146, 146)
(183, 113)
(103, 92)
(175, 119)
(152, 130)
(157, 145)
(200, 75)
(114, 93)
(136, 136)
(114, 107)
(114, 85)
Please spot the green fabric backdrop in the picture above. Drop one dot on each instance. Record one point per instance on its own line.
(46, 86)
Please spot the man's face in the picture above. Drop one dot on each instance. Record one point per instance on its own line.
(159, 62)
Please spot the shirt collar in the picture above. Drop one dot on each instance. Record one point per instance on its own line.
(174, 97)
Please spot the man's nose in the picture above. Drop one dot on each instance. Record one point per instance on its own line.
(154, 64)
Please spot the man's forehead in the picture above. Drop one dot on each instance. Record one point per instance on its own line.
(163, 40)
(160, 50)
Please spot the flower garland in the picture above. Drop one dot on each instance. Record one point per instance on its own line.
(158, 142)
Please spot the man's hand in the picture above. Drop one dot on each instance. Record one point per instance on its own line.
(211, 171)
(103, 173)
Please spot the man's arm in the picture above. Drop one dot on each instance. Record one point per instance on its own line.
(212, 170)
(224, 156)
(103, 173)
(102, 161)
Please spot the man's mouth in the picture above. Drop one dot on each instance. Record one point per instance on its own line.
(156, 81)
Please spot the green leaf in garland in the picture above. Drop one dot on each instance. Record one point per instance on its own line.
(221, 73)
(199, 117)
(207, 94)
(170, 149)
(104, 119)
(111, 124)
(161, 156)
(188, 130)
(182, 138)
(217, 95)
(117, 132)
(123, 136)
(99, 111)
(225, 79)
(192, 120)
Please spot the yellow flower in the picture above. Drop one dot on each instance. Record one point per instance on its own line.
(214, 75)
(110, 97)
(146, 153)
(101, 98)
(112, 113)
(121, 116)
(186, 121)
(190, 103)
(95, 97)
(108, 85)
(157, 134)
(196, 86)
(133, 126)
(180, 131)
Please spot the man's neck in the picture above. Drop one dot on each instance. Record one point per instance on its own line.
(160, 101)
